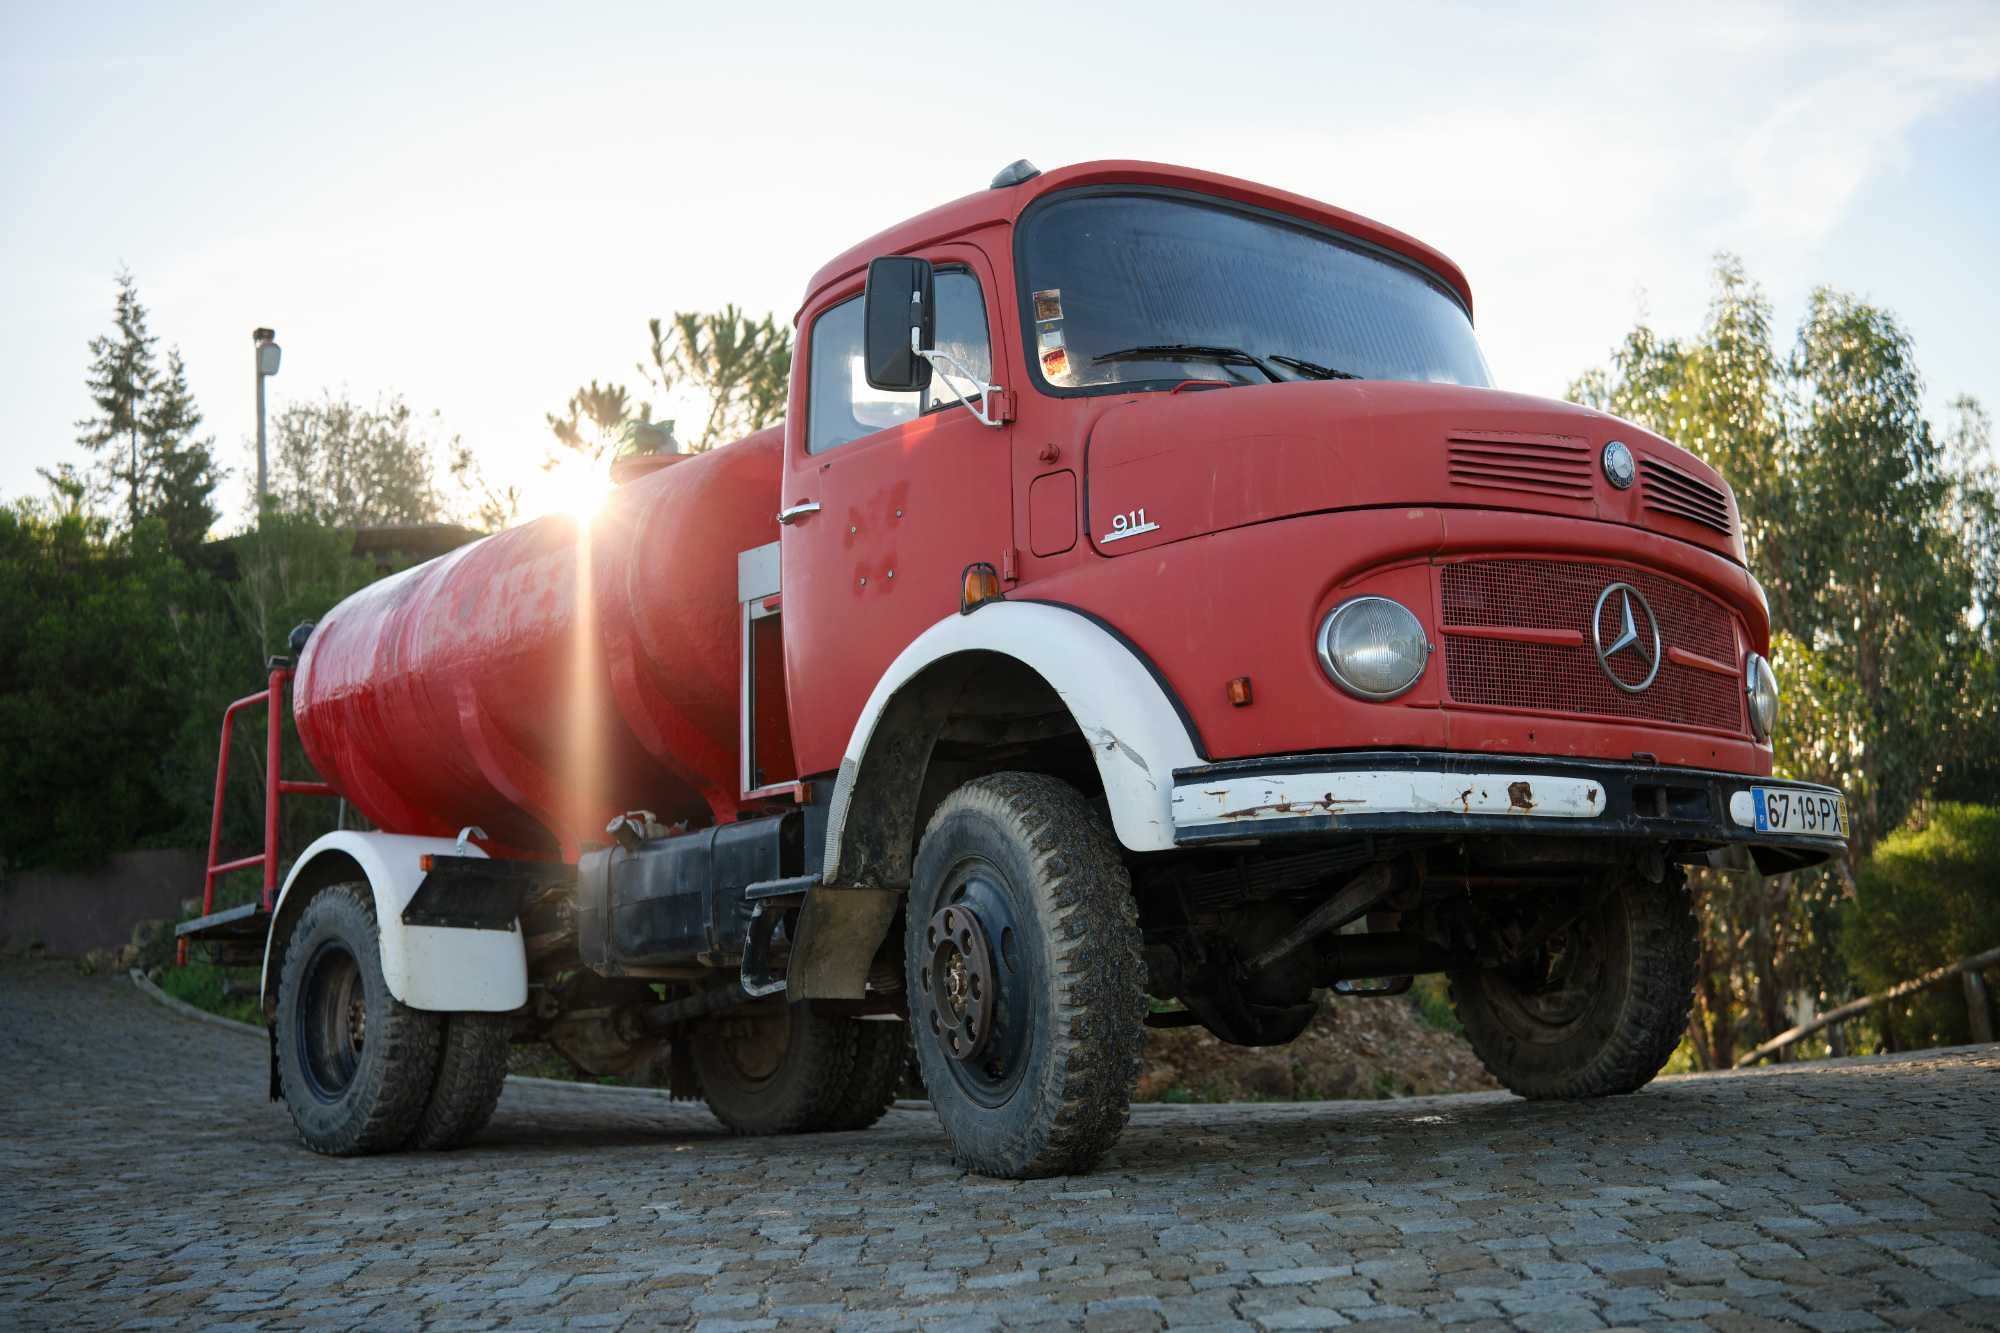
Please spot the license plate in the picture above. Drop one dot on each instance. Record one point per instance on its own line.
(1782, 810)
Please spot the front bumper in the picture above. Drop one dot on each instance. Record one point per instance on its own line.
(1416, 791)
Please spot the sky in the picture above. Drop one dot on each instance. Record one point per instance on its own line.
(479, 208)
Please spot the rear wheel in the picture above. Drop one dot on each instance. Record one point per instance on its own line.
(880, 1049)
(356, 1065)
(472, 1067)
(1596, 1008)
(785, 1071)
(1027, 991)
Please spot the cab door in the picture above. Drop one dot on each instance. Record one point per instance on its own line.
(909, 488)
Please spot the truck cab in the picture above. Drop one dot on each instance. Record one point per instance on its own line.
(1149, 614)
(1492, 663)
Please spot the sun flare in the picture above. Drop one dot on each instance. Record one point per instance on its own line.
(576, 486)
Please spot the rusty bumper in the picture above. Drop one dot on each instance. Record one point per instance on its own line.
(1692, 811)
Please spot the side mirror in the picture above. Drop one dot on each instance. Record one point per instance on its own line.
(898, 316)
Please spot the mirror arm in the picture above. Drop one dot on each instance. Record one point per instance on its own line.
(984, 412)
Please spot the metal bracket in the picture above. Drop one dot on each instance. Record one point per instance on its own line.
(984, 413)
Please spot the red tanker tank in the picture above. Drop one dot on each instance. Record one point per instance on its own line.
(539, 681)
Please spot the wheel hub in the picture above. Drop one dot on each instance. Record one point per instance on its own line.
(958, 982)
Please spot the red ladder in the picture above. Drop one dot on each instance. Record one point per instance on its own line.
(212, 924)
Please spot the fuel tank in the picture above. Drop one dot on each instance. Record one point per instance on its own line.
(542, 680)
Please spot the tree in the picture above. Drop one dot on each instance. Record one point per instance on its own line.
(348, 465)
(739, 366)
(144, 434)
(1874, 542)
(121, 379)
(1865, 533)
(597, 422)
(181, 476)
(91, 670)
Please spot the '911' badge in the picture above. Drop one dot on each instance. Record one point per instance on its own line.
(1129, 524)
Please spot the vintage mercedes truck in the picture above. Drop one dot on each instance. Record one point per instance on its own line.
(1148, 614)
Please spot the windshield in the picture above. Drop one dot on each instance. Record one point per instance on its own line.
(1128, 289)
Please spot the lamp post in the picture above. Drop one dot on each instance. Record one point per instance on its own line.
(268, 356)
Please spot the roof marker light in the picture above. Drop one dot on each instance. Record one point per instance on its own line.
(1020, 169)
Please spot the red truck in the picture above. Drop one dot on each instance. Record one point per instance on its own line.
(1149, 614)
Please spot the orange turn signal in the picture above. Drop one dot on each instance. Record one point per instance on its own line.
(981, 585)
(1239, 691)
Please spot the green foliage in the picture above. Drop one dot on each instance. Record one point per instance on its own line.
(1930, 895)
(738, 368)
(118, 663)
(741, 367)
(1874, 537)
(143, 436)
(181, 478)
(205, 986)
(600, 422)
(1430, 996)
(344, 464)
(90, 667)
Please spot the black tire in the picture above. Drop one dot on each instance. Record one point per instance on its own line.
(472, 1067)
(781, 1072)
(1048, 1086)
(355, 1064)
(1599, 1014)
(879, 1051)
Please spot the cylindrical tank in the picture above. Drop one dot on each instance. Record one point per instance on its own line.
(542, 680)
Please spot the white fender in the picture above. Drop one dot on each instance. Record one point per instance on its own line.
(427, 967)
(1135, 733)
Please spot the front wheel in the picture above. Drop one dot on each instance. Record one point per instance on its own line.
(1024, 976)
(1596, 1007)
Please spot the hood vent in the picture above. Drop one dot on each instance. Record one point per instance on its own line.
(1555, 465)
(1668, 490)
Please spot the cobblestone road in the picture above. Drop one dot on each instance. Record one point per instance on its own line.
(145, 1182)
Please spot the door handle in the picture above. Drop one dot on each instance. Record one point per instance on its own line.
(792, 513)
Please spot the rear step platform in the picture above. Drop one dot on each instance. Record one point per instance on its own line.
(235, 935)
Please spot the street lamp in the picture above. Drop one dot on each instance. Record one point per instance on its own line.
(268, 356)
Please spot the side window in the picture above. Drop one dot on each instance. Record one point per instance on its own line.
(961, 335)
(840, 405)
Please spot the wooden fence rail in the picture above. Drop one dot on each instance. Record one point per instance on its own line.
(1975, 1001)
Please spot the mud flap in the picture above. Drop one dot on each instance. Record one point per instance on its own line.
(840, 932)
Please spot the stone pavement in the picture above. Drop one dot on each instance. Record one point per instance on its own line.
(146, 1182)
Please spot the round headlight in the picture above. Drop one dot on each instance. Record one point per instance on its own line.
(1373, 647)
(1760, 684)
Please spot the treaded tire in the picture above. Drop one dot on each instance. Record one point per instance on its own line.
(797, 1092)
(472, 1067)
(352, 1086)
(1073, 987)
(1647, 942)
(879, 1050)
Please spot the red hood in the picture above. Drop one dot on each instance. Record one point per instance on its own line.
(1204, 460)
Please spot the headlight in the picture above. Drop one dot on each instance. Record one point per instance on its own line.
(1373, 647)
(1760, 684)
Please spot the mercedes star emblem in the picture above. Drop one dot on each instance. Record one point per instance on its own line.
(1619, 469)
(1627, 640)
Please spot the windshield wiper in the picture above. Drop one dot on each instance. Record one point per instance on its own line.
(1229, 356)
(1313, 369)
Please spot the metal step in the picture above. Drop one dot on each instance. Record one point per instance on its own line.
(235, 936)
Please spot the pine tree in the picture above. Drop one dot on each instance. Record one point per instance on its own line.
(121, 378)
(180, 473)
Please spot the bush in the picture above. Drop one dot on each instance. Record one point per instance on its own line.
(1930, 895)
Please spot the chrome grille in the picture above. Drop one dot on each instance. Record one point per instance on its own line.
(1538, 464)
(1541, 666)
(1668, 490)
